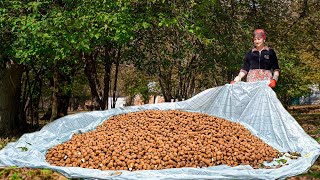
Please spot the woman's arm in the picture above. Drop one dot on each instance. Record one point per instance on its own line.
(276, 70)
(240, 76)
(275, 65)
(244, 69)
(276, 74)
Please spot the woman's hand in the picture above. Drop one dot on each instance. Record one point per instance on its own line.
(237, 78)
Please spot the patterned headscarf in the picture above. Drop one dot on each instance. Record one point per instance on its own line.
(260, 33)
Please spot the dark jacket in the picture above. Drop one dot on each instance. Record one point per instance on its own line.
(266, 59)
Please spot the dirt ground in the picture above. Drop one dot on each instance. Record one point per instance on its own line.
(307, 116)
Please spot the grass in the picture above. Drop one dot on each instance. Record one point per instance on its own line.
(15, 173)
(307, 116)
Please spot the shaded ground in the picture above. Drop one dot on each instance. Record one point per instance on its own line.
(309, 119)
(307, 116)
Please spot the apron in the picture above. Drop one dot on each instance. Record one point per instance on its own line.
(255, 75)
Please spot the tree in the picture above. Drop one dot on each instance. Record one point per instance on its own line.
(297, 39)
(10, 71)
(187, 46)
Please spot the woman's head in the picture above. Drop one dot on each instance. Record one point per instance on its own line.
(259, 37)
(260, 33)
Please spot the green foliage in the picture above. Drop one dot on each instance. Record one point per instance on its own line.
(137, 83)
(175, 42)
(15, 176)
(30, 173)
(23, 148)
(46, 173)
(281, 161)
(292, 81)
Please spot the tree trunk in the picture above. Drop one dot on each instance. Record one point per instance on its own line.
(254, 8)
(37, 100)
(55, 91)
(63, 104)
(107, 75)
(10, 90)
(64, 95)
(91, 73)
(189, 76)
(23, 101)
(114, 98)
(179, 93)
(167, 85)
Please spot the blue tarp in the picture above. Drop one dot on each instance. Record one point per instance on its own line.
(254, 105)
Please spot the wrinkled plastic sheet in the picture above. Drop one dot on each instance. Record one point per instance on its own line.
(254, 105)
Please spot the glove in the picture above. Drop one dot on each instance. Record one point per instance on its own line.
(272, 83)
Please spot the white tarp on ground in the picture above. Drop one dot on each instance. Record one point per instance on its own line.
(254, 105)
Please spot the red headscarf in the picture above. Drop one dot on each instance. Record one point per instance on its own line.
(260, 32)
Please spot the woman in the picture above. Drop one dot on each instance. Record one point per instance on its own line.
(259, 62)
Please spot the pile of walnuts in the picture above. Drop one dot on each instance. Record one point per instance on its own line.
(156, 139)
